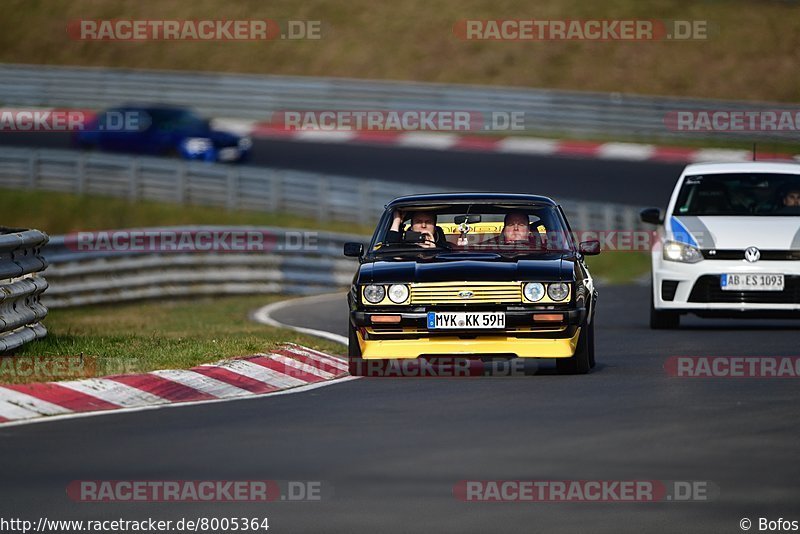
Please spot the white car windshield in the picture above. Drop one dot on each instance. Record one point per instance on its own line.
(740, 194)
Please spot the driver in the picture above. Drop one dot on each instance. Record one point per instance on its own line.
(790, 202)
(422, 222)
(516, 227)
(791, 199)
(516, 230)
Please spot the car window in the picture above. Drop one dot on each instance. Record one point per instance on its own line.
(739, 194)
(174, 119)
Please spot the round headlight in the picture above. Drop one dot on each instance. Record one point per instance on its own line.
(558, 291)
(196, 145)
(398, 293)
(374, 294)
(533, 291)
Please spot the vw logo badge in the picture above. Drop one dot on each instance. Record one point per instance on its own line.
(465, 294)
(752, 254)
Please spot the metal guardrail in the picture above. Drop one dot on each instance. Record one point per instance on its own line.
(313, 195)
(21, 286)
(256, 97)
(80, 278)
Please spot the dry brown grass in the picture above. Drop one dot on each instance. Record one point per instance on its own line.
(754, 54)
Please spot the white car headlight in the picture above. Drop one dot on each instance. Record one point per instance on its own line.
(197, 145)
(681, 252)
(558, 291)
(398, 293)
(374, 293)
(533, 291)
(245, 143)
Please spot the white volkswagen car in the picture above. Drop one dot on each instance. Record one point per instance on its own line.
(729, 243)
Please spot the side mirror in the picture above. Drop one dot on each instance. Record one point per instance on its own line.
(589, 248)
(353, 250)
(651, 216)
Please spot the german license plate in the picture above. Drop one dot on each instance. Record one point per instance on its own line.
(228, 154)
(441, 320)
(752, 282)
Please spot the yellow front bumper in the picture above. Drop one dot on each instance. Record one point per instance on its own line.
(521, 347)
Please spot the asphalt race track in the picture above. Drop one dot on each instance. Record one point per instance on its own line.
(392, 449)
(624, 182)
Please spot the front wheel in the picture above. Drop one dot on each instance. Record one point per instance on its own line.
(662, 320)
(354, 360)
(580, 362)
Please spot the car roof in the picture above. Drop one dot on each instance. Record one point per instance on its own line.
(743, 166)
(153, 107)
(466, 198)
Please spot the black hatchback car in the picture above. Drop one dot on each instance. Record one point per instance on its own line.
(473, 275)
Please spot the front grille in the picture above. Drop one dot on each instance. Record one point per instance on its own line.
(707, 289)
(482, 293)
(668, 289)
(766, 255)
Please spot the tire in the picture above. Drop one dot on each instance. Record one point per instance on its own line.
(592, 361)
(171, 152)
(354, 360)
(662, 320)
(578, 363)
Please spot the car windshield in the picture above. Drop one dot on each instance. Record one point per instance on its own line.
(739, 194)
(504, 230)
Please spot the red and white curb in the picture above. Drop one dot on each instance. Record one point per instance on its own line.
(503, 145)
(522, 145)
(290, 367)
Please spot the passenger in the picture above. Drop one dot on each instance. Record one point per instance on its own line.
(422, 222)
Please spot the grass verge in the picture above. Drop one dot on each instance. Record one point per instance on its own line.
(619, 267)
(61, 213)
(142, 337)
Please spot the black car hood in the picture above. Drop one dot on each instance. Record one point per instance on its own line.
(545, 267)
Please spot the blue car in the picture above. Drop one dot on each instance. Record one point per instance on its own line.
(162, 131)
